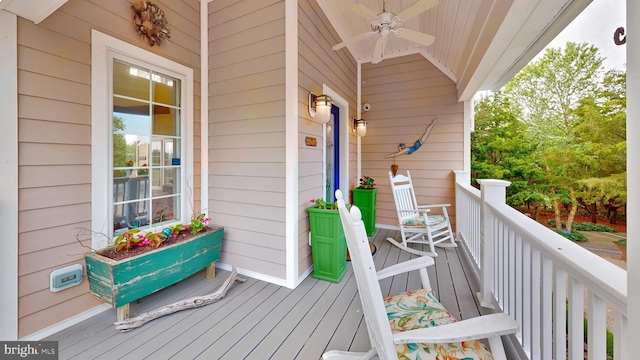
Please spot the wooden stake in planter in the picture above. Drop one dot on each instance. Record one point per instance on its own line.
(194, 302)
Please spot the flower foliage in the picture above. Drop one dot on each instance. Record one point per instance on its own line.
(321, 204)
(136, 238)
(198, 223)
(367, 182)
(129, 162)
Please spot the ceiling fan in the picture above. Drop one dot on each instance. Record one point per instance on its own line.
(387, 23)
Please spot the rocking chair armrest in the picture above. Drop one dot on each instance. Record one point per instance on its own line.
(414, 210)
(403, 267)
(432, 205)
(481, 327)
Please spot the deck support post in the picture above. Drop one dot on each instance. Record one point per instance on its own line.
(492, 191)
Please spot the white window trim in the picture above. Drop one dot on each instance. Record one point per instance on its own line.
(103, 48)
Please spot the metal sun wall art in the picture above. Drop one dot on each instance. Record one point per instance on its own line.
(150, 22)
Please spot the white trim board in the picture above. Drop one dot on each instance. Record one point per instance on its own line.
(9, 178)
(204, 108)
(291, 143)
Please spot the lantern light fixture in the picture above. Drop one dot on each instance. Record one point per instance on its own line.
(360, 127)
(320, 107)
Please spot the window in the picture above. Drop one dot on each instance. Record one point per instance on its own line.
(146, 138)
(142, 157)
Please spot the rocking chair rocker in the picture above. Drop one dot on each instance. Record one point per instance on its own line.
(414, 222)
(412, 325)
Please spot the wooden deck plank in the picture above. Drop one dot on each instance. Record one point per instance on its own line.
(467, 301)
(128, 343)
(290, 323)
(260, 320)
(179, 322)
(238, 342)
(336, 321)
(209, 328)
(327, 307)
(101, 323)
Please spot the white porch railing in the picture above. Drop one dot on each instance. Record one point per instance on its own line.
(540, 278)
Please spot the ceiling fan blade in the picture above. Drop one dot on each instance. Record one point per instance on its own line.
(416, 9)
(378, 50)
(354, 39)
(415, 36)
(364, 11)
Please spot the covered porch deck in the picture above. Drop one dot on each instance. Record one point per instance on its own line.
(258, 320)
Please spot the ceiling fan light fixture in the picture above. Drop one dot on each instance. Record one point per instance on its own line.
(320, 107)
(388, 22)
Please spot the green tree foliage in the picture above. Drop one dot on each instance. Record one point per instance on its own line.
(557, 132)
(500, 150)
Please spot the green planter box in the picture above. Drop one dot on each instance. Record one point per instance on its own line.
(121, 282)
(365, 200)
(328, 244)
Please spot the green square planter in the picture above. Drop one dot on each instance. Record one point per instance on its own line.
(123, 281)
(365, 200)
(328, 244)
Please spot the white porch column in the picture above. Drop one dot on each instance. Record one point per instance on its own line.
(9, 178)
(493, 191)
(633, 173)
(204, 106)
(462, 221)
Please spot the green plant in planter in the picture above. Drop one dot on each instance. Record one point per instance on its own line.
(367, 182)
(127, 240)
(365, 198)
(321, 204)
(142, 262)
(328, 245)
(198, 223)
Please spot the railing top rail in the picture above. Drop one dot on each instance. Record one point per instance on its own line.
(470, 190)
(605, 279)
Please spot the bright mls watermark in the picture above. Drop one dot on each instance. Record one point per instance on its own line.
(42, 350)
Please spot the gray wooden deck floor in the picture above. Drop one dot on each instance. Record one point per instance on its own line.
(258, 320)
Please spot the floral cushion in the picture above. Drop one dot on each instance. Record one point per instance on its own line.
(419, 220)
(420, 309)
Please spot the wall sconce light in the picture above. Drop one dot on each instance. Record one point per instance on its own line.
(360, 127)
(320, 107)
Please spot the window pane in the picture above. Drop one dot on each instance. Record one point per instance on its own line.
(129, 211)
(166, 181)
(166, 121)
(131, 81)
(166, 209)
(130, 215)
(166, 90)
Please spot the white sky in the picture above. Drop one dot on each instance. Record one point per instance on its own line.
(596, 25)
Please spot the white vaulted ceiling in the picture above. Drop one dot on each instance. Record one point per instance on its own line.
(479, 44)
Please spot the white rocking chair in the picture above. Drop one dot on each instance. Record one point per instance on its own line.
(412, 325)
(414, 222)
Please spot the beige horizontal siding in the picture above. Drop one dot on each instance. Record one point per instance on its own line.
(247, 132)
(54, 110)
(406, 94)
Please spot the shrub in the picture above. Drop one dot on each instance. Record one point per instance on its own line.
(584, 226)
(622, 242)
(573, 236)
